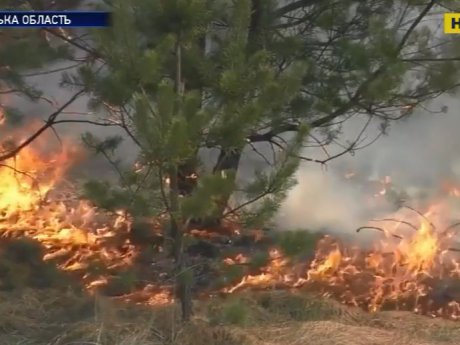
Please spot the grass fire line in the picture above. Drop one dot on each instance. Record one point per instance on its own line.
(412, 265)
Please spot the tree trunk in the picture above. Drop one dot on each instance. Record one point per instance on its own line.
(175, 231)
(184, 282)
(183, 276)
(255, 27)
(187, 177)
(228, 161)
(177, 226)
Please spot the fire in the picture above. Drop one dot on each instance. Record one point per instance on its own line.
(27, 178)
(37, 202)
(420, 252)
(401, 271)
(326, 266)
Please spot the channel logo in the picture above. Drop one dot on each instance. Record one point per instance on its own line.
(452, 23)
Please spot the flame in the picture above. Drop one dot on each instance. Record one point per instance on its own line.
(400, 271)
(455, 192)
(37, 202)
(452, 189)
(19, 187)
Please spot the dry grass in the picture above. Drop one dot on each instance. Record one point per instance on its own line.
(49, 317)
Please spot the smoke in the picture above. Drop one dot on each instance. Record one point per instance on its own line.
(419, 153)
(54, 95)
(321, 201)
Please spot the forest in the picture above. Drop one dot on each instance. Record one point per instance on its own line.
(231, 172)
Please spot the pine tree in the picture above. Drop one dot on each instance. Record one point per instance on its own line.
(230, 90)
(335, 60)
(183, 75)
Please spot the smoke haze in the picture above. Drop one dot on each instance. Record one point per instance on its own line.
(418, 153)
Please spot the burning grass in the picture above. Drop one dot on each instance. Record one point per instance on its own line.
(412, 267)
(417, 272)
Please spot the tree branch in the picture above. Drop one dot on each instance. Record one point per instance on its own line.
(356, 96)
(72, 42)
(293, 6)
(48, 123)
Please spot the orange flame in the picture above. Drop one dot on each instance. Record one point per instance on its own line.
(402, 267)
(36, 202)
(400, 270)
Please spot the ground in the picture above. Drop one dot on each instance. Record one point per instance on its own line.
(66, 317)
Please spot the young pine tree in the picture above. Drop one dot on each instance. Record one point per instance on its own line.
(175, 95)
(181, 76)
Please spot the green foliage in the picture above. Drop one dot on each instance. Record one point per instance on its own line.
(209, 74)
(229, 274)
(24, 250)
(22, 48)
(259, 259)
(233, 312)
(204, 201)
(232, 273)
(171, 124)
(96, 268)
(185, 276)
(104, 196)
(129, 194)
(108, 145)
(296, 243)
(271, 187)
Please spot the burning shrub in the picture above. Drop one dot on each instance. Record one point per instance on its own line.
(117, 250)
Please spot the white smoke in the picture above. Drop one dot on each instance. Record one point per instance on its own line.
(419, 153)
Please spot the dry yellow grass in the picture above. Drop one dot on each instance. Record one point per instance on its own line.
(66, 318)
